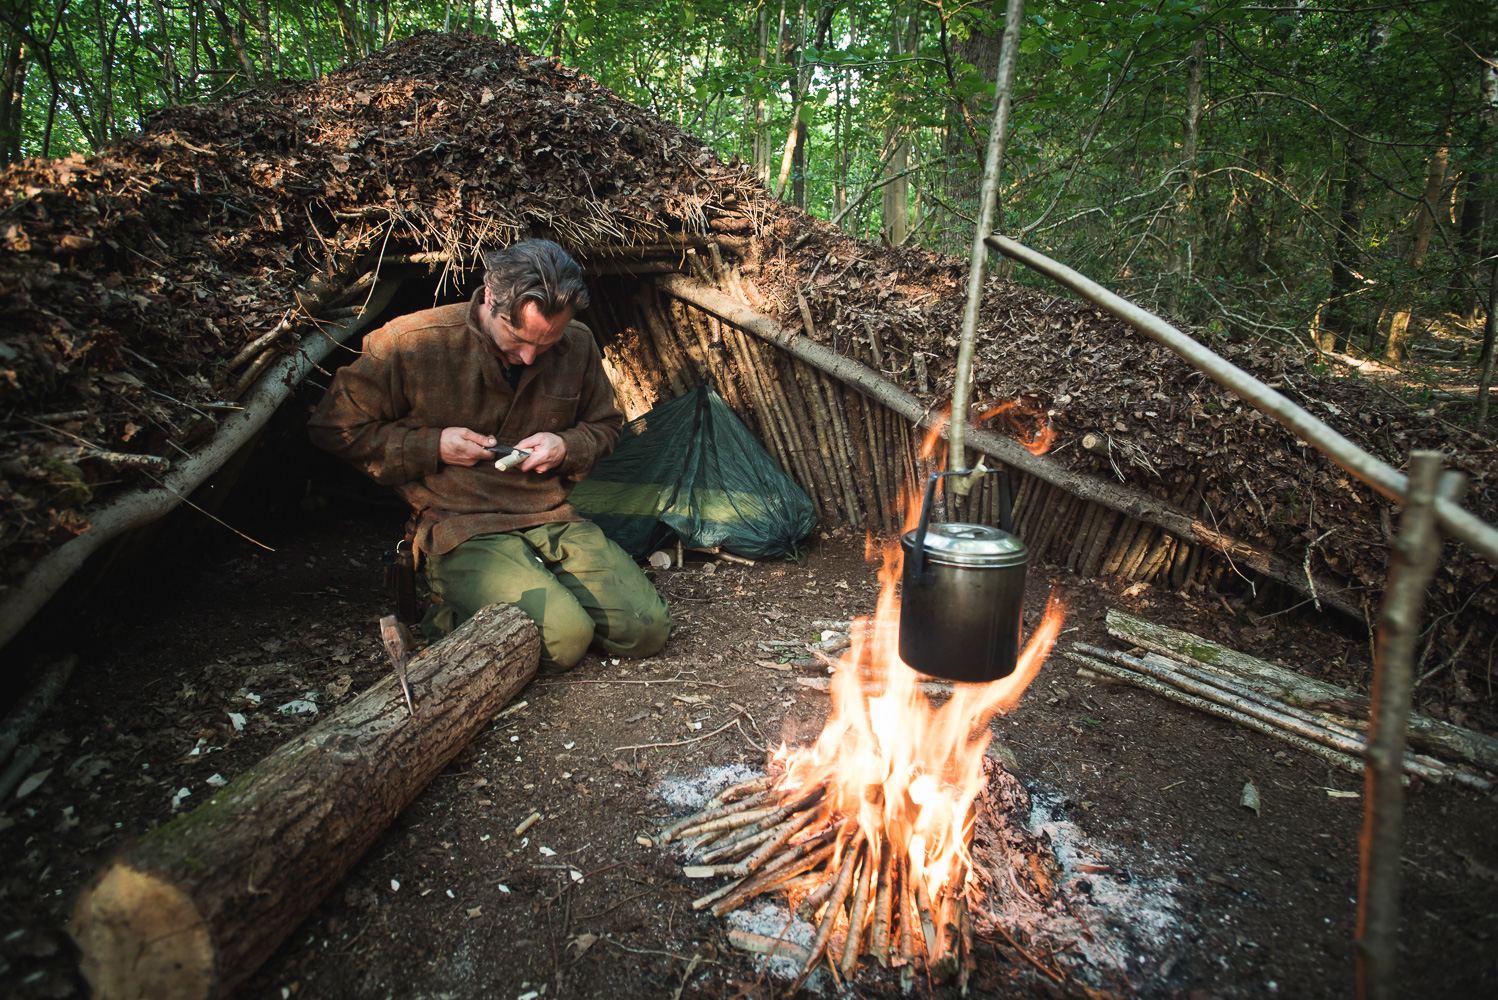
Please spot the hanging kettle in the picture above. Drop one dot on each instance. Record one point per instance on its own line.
(962, 607)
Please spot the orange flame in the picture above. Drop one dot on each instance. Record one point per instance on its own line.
(1038, 440)
(908, 771)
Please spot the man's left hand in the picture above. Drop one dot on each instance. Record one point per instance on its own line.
(547, 452)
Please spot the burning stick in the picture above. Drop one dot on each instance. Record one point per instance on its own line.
(745, 841)
(968, 963)
(753, 835)
(744, 795)
(759, 944)
(802, 849)
(809, 906)
(786, 831)
(858, 915)
(696, 846)
(731, 822)
(743, 788)
(834, 905)
(715, 895)
(883, 899)
(923, 906)
(698, 823)
(907, 922)
(748, 888)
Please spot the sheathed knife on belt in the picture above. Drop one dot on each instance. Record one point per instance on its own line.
(398, 647)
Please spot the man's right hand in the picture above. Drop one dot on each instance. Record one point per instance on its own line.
(461, 446)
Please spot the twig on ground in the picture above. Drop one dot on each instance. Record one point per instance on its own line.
(1056, 977)
(681, 743)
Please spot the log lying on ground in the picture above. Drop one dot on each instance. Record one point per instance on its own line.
(1131, 502)
(1211, 692)
(192, 908)
(1425, 734)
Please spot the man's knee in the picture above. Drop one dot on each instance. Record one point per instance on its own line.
(643, 632)
(566, 634)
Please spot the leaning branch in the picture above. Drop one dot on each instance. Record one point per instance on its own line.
(139, 507)
(1383, 477)
(1135, 503)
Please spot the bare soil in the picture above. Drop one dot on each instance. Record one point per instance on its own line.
(450, 903)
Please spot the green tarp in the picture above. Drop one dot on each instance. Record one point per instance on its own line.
(689, 469)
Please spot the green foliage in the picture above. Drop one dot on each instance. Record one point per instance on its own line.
(1301, 110)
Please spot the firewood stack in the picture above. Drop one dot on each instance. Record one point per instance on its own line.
(860, 893)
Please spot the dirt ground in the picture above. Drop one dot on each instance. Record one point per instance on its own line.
(451, 904)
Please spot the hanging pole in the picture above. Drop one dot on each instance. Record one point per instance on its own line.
(988, 197)
(1416, 552)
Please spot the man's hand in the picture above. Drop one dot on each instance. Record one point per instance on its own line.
(547, 451)
(461, 446)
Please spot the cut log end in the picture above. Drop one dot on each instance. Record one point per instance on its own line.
(192, 908)
(141, 936)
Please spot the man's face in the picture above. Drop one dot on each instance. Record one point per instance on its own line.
(521, 345)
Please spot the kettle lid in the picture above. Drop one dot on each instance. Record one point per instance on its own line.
(958, 544)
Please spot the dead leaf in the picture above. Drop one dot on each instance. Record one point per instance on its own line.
(1250, 799)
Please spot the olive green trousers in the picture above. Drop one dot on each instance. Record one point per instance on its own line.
(579, 588)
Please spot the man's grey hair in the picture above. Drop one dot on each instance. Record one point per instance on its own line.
(536, 271)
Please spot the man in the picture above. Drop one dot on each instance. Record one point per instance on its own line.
(426, 408)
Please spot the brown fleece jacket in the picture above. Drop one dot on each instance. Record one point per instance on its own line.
(434, 369)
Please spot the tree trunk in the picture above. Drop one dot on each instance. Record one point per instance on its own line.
(267, 43)
(798, 167)
(348, 31)
(1181, 257)
(1478, 217)
(1399, 314)
(1336, 330)
(761, 125)
(1485, 360)
(12, 104)
(192, 908)
(231, 31)
(896, 200)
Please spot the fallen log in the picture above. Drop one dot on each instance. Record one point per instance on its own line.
(1425, 734)
(1114, 672)
(1266, 709)
(194, 907)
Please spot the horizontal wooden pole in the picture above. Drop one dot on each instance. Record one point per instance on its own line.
(1456, 520)
(1135, 503)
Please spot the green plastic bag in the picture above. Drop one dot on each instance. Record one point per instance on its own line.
(689, 469)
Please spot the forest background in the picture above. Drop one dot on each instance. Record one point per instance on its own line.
(1324, 177)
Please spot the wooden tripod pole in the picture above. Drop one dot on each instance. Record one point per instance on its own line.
(978, 262)
(1416, 552)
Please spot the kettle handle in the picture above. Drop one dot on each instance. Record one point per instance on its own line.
(917, 564)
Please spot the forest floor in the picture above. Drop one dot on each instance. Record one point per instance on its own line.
(1188, 894)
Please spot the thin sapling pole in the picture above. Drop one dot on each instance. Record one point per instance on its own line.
(1416, 553)
(978, 262)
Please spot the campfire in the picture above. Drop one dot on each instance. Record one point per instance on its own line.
(867, 830)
